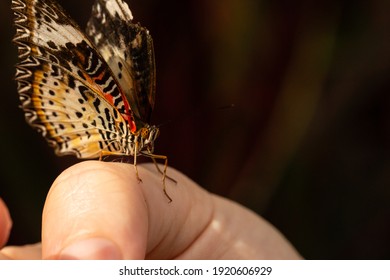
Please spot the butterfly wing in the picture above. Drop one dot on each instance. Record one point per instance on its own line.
(66, 88)
(128, 49)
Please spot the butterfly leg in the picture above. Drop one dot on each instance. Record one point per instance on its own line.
(136, 169)
(164, 172)
(161, 172)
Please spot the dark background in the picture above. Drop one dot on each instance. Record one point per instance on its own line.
(307, 144)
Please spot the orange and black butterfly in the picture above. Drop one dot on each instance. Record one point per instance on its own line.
(89, 94)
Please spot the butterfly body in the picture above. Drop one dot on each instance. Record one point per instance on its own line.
(89, 94)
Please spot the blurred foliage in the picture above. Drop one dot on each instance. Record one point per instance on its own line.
(307, 143)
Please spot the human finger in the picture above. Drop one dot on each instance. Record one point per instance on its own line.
(5, 223)
(25, 252)
(99, 210)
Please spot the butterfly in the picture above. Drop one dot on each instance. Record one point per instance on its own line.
(89, 94)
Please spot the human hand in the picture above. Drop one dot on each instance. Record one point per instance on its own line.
(99, 210)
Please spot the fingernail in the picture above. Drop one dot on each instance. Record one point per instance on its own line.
(91, 249)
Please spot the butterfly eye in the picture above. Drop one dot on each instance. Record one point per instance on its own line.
(145, 133)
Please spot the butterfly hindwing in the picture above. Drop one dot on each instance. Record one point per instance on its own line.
(85, 126)
(128, 49)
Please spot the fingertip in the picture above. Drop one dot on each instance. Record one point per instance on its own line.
(24, 252)
(92, 248)
(5, 223)
(93, 209)
(94, 202)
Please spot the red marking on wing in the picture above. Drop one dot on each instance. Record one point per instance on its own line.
(127, 116)
(92, 80)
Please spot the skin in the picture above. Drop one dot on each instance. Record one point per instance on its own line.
(98, 210)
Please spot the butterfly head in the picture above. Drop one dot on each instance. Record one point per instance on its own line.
(148, 135)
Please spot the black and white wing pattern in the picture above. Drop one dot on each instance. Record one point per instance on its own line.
(128, 50)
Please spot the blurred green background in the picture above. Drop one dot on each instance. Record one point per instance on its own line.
(307, 145)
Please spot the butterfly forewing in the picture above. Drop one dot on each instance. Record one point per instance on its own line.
(128, 49)
(66, 88)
